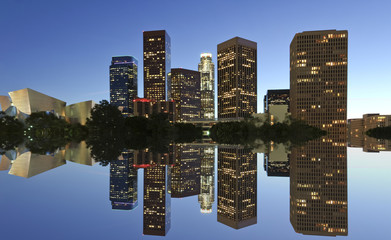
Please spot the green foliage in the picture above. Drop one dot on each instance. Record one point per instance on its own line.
(379, 132)
(11, 132)
(246, 133)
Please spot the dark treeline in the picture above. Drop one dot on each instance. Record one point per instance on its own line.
(107, 132)
(246, 132)
(110, 133)
(380, 132)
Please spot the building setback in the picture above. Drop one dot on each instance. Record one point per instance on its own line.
(318, 79)
(207, 70)
(185, 91)
(123, 83)
(237, 78)
(157, 64)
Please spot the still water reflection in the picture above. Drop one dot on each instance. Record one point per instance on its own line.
(145, 185)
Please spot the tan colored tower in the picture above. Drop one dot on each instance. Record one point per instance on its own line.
(318, 170)
(318, 79)
(237, 78)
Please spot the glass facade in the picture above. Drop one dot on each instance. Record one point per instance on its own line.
(185, 91)
(123, 83)
(123, 182)
(207, 70)
(237, 78)
(157, 64)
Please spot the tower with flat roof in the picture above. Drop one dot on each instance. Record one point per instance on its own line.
(157, 64)
(237, 78)
(123, 83)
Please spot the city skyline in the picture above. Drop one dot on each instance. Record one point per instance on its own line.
(90, 52)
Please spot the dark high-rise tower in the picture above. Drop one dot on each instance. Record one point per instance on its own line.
(123, 83)
(185, 91)
(237, 78)
(157, 64)
(207, 70)
(318, 79)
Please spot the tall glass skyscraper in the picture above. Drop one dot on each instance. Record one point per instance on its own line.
(185, 91)
(237, 78)
(123, 83)
(157, 64)
(207, 70)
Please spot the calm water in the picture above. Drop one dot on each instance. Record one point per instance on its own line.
(197, 192)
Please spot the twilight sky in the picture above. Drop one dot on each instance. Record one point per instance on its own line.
(64, 48)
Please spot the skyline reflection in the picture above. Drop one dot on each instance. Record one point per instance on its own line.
(318, 182)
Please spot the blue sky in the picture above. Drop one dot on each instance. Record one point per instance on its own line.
(64, 48)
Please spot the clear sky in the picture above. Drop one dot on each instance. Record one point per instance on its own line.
(64, 48)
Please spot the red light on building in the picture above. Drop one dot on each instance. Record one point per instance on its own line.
(142, 165)
(143, 100)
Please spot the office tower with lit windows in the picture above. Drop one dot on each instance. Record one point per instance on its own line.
(318, 170)
(207, 195)
(207, 70)
(318, 79)
(123, 182)
(123, 83)
(157, 64)
(237, 187)
(237, 78)
(185, 92)
(185, 174)
(157, 201)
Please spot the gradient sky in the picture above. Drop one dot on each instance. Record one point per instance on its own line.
(64, 48)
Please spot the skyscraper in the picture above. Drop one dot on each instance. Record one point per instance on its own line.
(123, 83)
(237, 78)
(318, 79)
(237, 187)
(318, 171)
(207, 70)
(157, 64)
(185, 91)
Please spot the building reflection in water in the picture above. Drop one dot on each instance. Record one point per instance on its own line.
(157, 198)
(185, 174)
(237, 187)
(123, 182)
(276, 160)
(207, 188)
(23, 163)
(318, 188)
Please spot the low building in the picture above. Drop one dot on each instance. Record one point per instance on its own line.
(79, 112)
(29, 101)
(146, 107)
